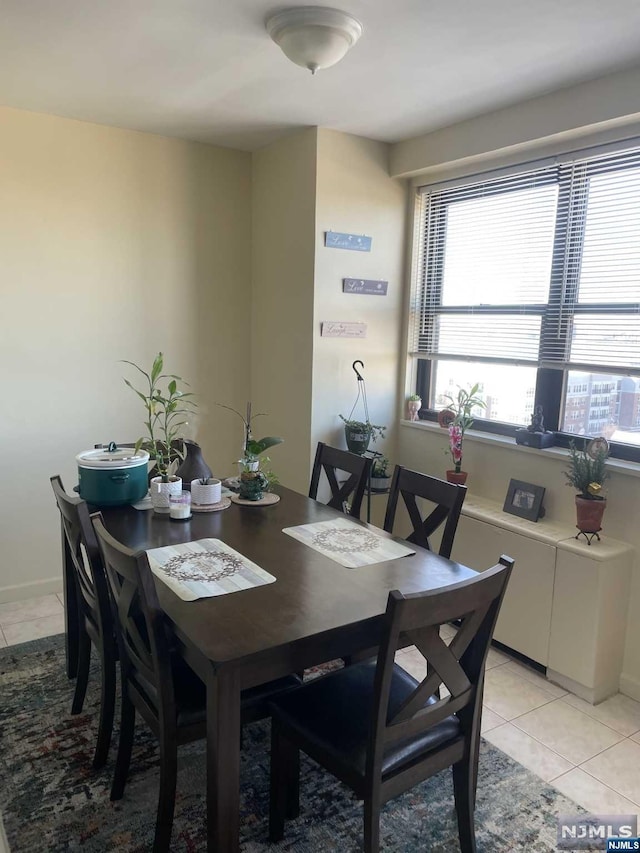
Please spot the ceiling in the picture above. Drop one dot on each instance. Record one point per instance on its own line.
(206, 69)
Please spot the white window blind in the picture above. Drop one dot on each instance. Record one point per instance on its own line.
(541, 268)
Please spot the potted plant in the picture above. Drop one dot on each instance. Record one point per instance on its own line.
(414, 403)
(380, 476)
(358, 434)
(166, 410)
(456, 417)
(255, 477)
(587, 473)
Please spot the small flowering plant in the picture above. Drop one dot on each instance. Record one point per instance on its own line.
(455, 445)
(456, 417)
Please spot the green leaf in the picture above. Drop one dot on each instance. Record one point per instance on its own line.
(156, 369)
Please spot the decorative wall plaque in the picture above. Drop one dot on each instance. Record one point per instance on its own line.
(368, 286)
(355, 242)
(334, 329)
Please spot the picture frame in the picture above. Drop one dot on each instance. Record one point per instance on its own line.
(524, 500)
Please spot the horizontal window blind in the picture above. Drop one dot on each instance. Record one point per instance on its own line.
(540, 268)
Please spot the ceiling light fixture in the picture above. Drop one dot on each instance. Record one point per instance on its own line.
(314, 36)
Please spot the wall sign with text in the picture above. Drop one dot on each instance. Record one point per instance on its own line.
(336, 329)
(355, 242)
(368, 286)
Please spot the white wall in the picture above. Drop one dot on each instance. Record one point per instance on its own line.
(114, 244)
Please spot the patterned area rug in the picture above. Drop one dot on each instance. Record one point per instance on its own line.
(52, 801)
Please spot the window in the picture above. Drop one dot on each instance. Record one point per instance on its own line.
(530, 285)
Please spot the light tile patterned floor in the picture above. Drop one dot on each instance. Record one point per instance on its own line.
(590, 753)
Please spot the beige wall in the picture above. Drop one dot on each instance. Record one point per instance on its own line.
(114, 245)
(280, 336)
(356, 195)
(606, 109)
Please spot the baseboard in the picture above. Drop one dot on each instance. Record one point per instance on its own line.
(630, 686)
(18, 592)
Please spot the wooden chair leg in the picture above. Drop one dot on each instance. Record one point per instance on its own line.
(82, 678)
(167, 795)
(107, 704)
(291, 755)
(463, 789)
(125, 744)
(372, 824)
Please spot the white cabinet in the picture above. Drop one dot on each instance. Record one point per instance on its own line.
(524, 623)
(566, 603)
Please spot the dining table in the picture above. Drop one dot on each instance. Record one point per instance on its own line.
(316, 610)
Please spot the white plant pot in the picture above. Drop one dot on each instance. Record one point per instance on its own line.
(160, 493)
(206, 495)
(380, 483)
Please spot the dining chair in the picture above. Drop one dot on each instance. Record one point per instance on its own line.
(447, 497)
(95, 621)
(156, 681)
(377, 728)
(331, 460)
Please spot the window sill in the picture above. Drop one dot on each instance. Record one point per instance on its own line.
(630, 469)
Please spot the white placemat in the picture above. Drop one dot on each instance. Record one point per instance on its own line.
(205, 568)
(348, 543)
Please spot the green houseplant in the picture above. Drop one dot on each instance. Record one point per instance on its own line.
(167, 408)
(255, 475)
(456, 417)
(414, 402)
(358, 434)
(380, 473)
(586, 472)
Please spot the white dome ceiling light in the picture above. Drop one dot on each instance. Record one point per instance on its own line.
(314, 36)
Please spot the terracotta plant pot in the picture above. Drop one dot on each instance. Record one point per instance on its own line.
(457, 477)
(589, 514)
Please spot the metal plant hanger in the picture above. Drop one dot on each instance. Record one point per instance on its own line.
(362, 392)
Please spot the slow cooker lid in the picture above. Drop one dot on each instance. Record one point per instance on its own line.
(112, 457)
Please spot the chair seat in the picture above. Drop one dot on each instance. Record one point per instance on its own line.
(332, 715)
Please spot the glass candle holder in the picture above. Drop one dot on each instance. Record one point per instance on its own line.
(180, 506)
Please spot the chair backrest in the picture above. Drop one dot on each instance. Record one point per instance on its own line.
(89, 571)
(447, 497)
(458, 666)
(331, 460)
(143, 639)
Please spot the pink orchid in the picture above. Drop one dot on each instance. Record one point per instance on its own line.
(455, 445)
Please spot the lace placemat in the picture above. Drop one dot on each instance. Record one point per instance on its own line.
(205, 568)
(348, 543)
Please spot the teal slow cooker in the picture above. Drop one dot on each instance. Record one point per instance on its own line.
(112, 476)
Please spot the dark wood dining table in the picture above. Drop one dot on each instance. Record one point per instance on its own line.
(315, 611)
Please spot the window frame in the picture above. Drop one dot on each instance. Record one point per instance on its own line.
(558, 312)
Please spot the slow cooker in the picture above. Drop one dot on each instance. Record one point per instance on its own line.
(112, 476)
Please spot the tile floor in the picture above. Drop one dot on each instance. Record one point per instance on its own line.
(590, 753)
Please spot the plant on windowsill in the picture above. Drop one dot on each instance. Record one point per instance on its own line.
(167, 409)
(380, 476)
(587, 473)
(456, 417)
(414, 403)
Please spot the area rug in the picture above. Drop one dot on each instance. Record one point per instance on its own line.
(51, 800)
